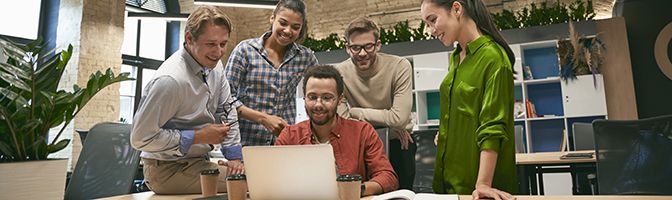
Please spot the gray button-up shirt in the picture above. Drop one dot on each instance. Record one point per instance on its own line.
(178, 100)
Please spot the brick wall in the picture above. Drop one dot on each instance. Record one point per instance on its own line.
(95, 28)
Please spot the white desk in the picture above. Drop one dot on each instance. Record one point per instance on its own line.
(533, 167)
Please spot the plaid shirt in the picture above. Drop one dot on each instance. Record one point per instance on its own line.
(258, 85)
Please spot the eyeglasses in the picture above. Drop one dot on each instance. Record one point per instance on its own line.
(312, 99)
(225, 114)
(355, 49)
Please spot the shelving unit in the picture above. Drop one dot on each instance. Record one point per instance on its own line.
(428, 72)
(558, 103)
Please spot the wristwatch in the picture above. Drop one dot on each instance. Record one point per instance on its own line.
(362, 189)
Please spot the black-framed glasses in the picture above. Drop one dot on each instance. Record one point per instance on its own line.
(225, 115)
(368, 47)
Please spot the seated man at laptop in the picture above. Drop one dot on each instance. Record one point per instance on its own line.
(356, 145)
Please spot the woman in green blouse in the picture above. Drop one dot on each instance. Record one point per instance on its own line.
(475, 147)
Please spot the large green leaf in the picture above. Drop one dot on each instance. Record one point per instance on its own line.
(12, 96)
(6, 149)
(32, 103)
(58, 146)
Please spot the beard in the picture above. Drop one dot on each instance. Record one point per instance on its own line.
(320, 122)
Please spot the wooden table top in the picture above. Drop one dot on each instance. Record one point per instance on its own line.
(549, 158)
(151, 195)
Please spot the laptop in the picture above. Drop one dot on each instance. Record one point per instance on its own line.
(291, 172)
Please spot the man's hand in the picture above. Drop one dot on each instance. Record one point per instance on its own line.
(404, 138)
(274, 124)
(487, 192)
(211, 134)
(232, 166)
(436, 139)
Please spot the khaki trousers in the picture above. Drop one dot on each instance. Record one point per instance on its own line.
(181, 176)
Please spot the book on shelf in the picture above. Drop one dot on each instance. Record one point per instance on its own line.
(518, 110)
(410, 195)
(531, 112)
(564, 143)
(527, 73)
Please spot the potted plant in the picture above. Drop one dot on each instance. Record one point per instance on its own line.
(30, 105)
(579, 55)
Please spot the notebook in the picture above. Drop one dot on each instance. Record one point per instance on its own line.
(291, 172)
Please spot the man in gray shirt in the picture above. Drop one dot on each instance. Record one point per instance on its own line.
(187, 108)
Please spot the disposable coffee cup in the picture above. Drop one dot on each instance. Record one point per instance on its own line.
(209, 182)
(349, 186)
(236, 187)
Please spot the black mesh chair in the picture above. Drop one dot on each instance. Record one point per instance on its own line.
(634, 156)
(425, 156)
(107, 164)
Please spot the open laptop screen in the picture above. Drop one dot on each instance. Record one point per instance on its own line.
(291, 172)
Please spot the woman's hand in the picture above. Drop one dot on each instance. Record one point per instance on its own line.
(274, 124)
(484, 191)
(404, 138)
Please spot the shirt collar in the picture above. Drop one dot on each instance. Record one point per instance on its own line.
(474, 45)
(258, 43)
(194, 67)
(336, 131)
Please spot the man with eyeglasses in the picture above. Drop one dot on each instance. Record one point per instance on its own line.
(357, 147)
(378, 90)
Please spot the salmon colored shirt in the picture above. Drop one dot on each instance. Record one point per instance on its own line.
(357, 148)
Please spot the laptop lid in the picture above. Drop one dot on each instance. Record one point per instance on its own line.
(291, 172)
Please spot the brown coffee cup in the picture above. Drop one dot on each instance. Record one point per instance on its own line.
(349, 186)
(209, 182)
(236, 187)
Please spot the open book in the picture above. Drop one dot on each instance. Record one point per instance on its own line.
(410, 195)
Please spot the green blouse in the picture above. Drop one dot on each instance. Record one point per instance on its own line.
(476, 114)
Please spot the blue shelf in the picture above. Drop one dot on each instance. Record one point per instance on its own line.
(543, 62)
(547, 99)
(547, 135)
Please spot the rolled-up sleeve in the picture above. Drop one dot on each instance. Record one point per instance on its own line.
(231, 146)
(496, 110)
(377, 164)
(157, 107)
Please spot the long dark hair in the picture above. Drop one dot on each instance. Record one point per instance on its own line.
(476, 10)
(299, 7)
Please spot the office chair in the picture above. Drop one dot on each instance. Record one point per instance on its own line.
(107, 164)
(425, 157)
(519, 135)
(633, 156)
(583, 175)
(383, 134)
(584, 138)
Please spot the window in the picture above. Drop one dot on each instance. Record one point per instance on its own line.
(20, 18)
(141, 58)
(153, 39)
